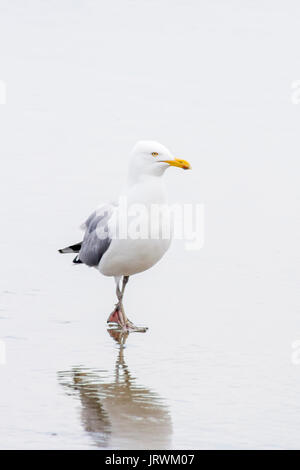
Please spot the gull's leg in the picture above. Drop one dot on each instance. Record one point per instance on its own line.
(121, 293)
(117, 315)
(128, 324)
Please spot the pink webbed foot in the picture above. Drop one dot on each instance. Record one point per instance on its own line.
(118, 318)
(115, 316)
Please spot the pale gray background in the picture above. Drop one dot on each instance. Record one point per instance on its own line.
(212, 81)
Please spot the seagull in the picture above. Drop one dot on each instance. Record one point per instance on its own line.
(128, 236)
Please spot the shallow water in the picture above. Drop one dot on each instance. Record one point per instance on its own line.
(218, 367)
(208, 373)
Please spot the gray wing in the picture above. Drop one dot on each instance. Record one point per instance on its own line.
(96, 239)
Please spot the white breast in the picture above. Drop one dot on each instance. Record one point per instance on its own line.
(146, 237)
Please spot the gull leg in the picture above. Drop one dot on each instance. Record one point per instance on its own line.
(128, 324)
(118, 315)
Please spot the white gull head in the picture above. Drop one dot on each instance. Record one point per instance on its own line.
(150, 158)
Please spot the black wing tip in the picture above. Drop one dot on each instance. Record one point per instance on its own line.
(71, 249)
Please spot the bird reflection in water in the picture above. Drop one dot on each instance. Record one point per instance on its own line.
(118, 413)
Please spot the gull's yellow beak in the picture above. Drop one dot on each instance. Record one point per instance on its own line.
(180, 163)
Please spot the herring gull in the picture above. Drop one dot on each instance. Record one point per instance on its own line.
(117, 239)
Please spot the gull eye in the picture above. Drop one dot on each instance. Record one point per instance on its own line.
(154, 154)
